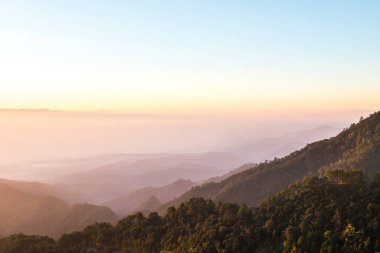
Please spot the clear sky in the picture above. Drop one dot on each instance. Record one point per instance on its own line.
(147, 56)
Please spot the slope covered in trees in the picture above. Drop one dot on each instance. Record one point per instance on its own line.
(339, 212)
(357, 147)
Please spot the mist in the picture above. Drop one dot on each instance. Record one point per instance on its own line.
(43, 144)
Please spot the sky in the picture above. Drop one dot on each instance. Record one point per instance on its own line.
(186, 56)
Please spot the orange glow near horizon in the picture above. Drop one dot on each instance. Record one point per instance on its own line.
(139, 61)
(235, 103)
(171, 91)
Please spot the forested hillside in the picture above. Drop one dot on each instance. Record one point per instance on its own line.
(357, 147)
(337, 213)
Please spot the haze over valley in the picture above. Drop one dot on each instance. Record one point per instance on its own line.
(189, 126)
(105, 155)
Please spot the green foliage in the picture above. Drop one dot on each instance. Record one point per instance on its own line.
(27, 244)
(336, 213)
(328, 214)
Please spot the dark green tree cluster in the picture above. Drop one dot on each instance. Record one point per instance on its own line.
(339, 212)
(336, 213)
(358, 147)
(29, 244)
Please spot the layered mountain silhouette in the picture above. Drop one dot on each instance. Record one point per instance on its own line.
(42, 189)
(148, 198)
(230, 173)
(44, 209)
(32, 212)
(357, 147)
(338, 212)
(267, 148)
(106, 182)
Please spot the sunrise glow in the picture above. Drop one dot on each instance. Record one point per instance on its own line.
(141, 58)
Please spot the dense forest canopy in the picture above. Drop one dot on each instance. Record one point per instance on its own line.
(339, 212)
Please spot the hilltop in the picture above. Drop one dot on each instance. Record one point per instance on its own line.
(335, 213)
(357, 147)
(31, 213)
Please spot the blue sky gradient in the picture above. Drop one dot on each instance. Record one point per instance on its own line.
(143, 55)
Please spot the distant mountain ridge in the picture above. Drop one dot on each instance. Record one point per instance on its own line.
(23, 212)
(118, 178)
(338, 212)
(357, 147)
(230, 173)
(148, 198)
(44, 189)
(267, 148)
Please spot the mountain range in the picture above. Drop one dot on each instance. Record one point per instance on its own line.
(106, 182)
(337, 212)
(144, 183)
(357, 147)
(27, 208)
(148, 198)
